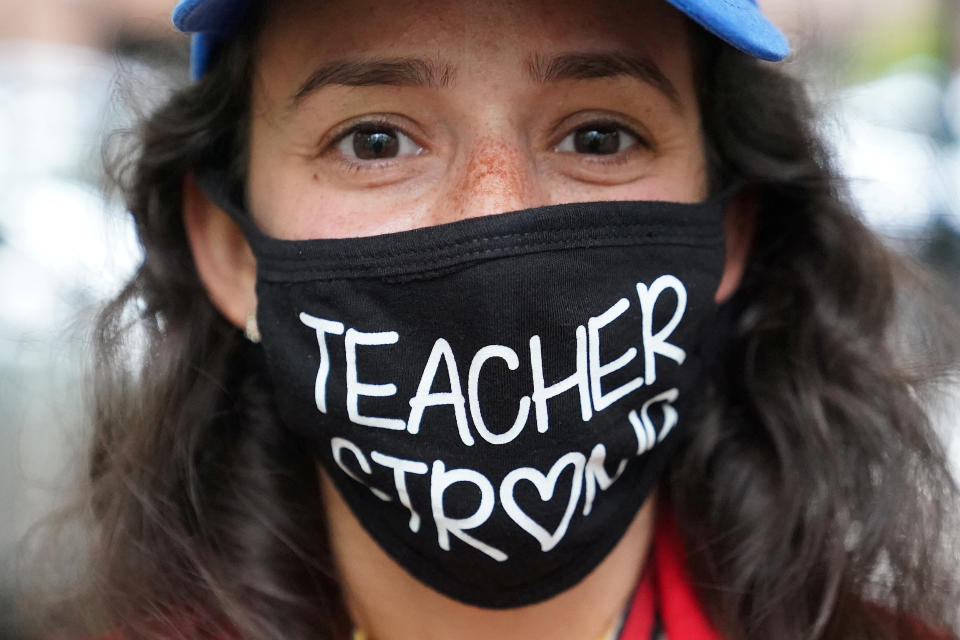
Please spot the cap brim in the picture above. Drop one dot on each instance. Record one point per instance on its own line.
(739, 23)
(210, 16)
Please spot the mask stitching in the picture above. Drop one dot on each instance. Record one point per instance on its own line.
(273, 248)
(281, 270)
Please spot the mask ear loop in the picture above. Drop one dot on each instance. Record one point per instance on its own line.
(214, 185)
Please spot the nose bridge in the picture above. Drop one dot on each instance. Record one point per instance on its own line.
(498, 176)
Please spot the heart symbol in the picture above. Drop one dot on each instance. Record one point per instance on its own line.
(545, 485)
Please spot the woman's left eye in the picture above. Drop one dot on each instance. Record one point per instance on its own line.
(598, 140)
(376, 142)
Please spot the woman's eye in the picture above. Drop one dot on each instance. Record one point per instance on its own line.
(598, 140)
(376, 143)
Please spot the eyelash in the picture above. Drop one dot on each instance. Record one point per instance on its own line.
(357, 127)
(619, 157)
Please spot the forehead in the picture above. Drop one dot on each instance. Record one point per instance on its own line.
(471, 36)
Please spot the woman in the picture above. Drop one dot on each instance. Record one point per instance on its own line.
(658, 397)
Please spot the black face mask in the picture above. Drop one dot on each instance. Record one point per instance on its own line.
(494, 398)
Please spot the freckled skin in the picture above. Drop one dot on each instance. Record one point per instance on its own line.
(494, 181)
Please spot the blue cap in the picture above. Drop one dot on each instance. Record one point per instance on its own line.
(740, 23)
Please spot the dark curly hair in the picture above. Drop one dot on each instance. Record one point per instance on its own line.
(814, 500)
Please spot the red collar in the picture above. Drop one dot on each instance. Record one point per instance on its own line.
(667, 585)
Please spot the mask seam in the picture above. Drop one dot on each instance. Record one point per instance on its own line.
(593, 231)
(270, 270)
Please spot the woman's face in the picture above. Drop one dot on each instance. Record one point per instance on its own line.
(372, 117)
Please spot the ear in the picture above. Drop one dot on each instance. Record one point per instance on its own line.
(739, 226)
(225, 263)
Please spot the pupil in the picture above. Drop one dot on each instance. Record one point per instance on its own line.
(374, 145)
(597, 141)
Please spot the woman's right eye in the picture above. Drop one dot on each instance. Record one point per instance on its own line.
(376, 142)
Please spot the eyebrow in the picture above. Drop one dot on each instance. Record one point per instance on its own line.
(396, 72)
(589, 65)
(421, 72)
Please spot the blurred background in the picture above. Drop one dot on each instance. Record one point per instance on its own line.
(886, 74)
